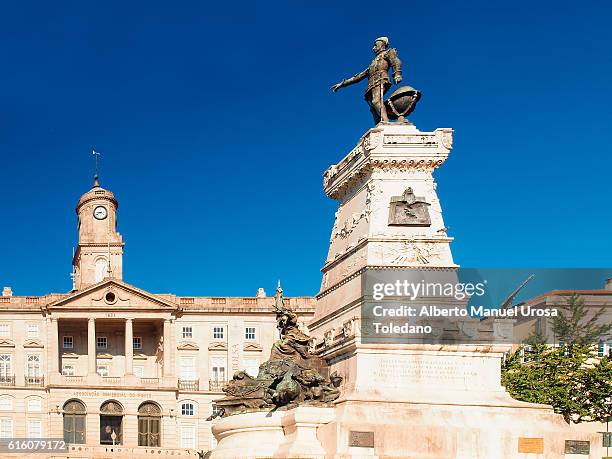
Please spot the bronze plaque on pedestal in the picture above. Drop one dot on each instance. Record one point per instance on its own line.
(577, 447)
(361, 439)
(530, 445)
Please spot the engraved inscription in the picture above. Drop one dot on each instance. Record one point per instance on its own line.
(450, 372)
(361, 439)
(530, 445)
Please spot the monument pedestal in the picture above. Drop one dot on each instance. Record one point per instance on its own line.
(418, 401)
(263, 434)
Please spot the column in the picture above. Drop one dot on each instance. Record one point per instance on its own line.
(91, 346)
(53, 341)
(129, 347)
(168, 369)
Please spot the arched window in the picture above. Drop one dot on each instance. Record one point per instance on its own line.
(101, 266)
(111, 423)
(187, 408)
(6, 403)
(74, 422)
(149, 424)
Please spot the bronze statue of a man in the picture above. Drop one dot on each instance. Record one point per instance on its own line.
(378, 77)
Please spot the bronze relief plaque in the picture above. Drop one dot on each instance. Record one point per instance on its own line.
(577, 447)
(408, 210)
(530, 445)
(361, 439)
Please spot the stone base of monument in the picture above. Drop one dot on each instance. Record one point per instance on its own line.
(428, 402)
(291, 433)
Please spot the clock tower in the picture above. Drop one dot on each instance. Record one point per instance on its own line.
(100, 249)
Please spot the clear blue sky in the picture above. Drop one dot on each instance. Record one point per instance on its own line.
(215, 121)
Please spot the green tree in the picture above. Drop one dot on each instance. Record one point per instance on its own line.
(572, 325)
(569, 377)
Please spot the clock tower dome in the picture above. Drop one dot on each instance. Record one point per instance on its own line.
(100, 249)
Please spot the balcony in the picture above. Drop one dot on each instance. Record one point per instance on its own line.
(216, 386)
(34, 381)
(189, 384)
(6, 380)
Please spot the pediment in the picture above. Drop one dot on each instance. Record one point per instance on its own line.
(252, 347)
(33, 343)
(113, 294)
(5, 342)
(188, 346)
(217, 346)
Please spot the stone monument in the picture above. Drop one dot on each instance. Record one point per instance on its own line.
(409, 400)
(388, 398)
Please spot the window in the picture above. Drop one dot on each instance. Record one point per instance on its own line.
(218, 374)
(149, 417)
(68, 369)
(187, 409)
(102, 370)
(251, 366)
(139, 371)
(188, 370)
(33, 369)
(68, 342)
(101, 342)
(6, 403)
(34, 405)
(111, 423)
(188, 332)
(249, 333)
(218, 333)
(34, 428)
(74, 422)
(32, 331)
(6, 367)
(6, 428)
(216, 411)
(601, 349)
(137, 342)
(5, 330)
(188, 436)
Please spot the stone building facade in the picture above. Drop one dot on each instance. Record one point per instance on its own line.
(113, 369)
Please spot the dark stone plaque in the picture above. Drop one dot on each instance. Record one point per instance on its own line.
(577, 447)
(530, 445)
(607, 439)
(409, 210)
(361, 439)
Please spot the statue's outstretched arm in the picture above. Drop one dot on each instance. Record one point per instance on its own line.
(349, 81)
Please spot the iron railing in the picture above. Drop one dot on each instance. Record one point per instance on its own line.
(34, 381)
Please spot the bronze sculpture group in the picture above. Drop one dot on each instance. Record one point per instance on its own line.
(292, 376)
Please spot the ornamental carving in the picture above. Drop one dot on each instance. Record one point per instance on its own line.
(111, 408)
(414, 253)
(149, 409)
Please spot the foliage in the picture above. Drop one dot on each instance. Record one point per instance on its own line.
(569, 377)
(571, 324)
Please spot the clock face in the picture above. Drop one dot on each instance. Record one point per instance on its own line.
(100, 213)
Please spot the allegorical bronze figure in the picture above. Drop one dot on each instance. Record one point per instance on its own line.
(292, 376)
(401, 102)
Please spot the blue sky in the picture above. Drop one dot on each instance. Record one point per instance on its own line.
(216, 124)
